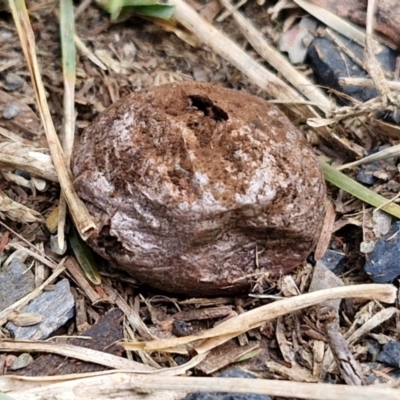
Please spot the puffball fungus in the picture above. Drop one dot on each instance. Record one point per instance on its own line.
(198, 189)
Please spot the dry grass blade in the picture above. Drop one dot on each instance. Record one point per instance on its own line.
(371, 62)
(69, 350)
(41, 258)
(94, 356)
(127, 385)
(367, 83)
(326, 233)
(229, 50)
(279, 62)
(78, 210)
(16, 211)
(81, 280)
(87, 53)
(25, 319)
(131, 314)
(11, 136)
(256, 317)
(391, 152)
(27, 158)
(372, 323)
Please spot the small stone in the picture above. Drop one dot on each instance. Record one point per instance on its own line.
(55, 247)
(56, 307)
(323, 278)
(5, 35)
(383, 265)
(21, 361)
(296, 40)
(13, 81)
(231, 373)
(16, 281)
(199, 74)
(382, 222)
(181, 328)
(11, 110)
(335, 261)
(390, 354)
(367, 247)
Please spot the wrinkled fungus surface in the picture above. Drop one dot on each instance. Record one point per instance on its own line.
(198, 189)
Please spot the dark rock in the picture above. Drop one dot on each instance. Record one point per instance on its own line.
(56, 307)
(390, 354)
(16, 281)
(335, 261)
(378, 373)
(230, 373)
(181, 328)
(22, 173)
(329, 64)
(373, 349)
(180, 360)
(383, 265)
(367, 172)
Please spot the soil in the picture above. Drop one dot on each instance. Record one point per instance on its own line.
(139, 54)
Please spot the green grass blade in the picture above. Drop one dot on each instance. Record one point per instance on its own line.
(84, 256)
(342, 181)
(138, 3)
(67, 31)
(156, 11)
(148, 8)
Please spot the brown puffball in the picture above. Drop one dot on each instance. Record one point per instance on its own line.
(197, 189)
